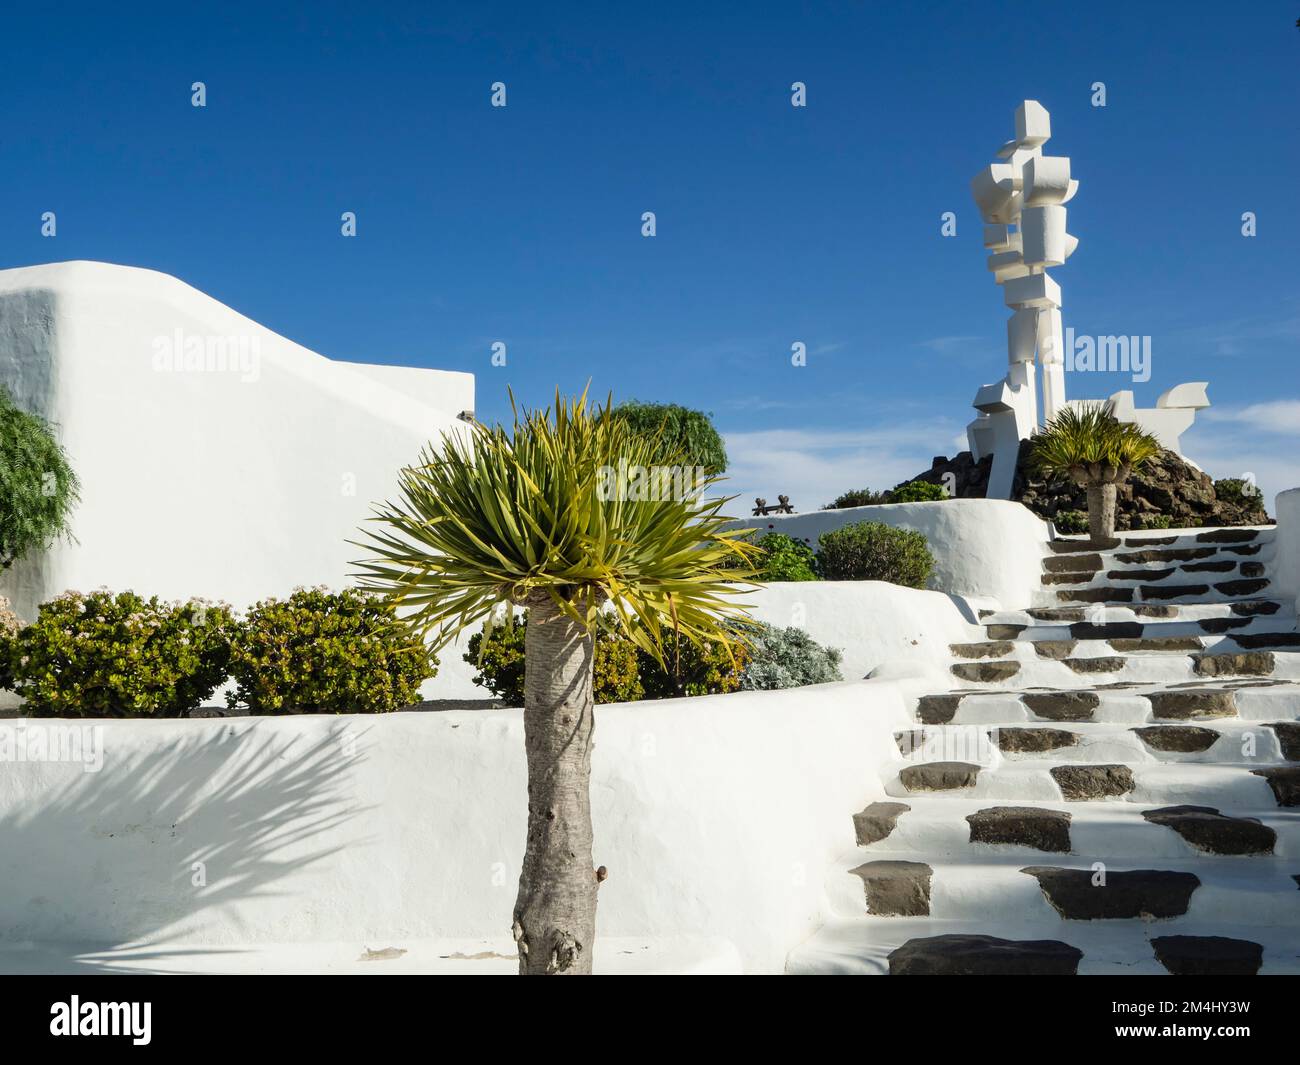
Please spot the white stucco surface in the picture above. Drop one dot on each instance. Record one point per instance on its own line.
(237, 476)
(1286, 564)
(989, 548)
(716, 817)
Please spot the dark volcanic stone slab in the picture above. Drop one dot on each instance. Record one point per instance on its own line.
(970, 955)
(1096, 665)
(1208, 955)
(1183, 739)
(1252, 569)
(1074, 562)
(1139, 574)
(1227, 536)
(1062, 706)
(1255, 607)
(1125, 630)
(877, 821)
(986, 672)
(1096, 595)
(1058, 614)
(1173, 554)
(1244, 664)
(1288, 735)
(1245, 549)
(1225, 565)
(1155, 610)
(986, 649)
(1083, 783)
(1147, 541)
(1192, 704)
(1243, 587)
(1285, 782)
(1206, 829)
(896, 889)
(1057, 649)
(1069, 547)
(938, 776)
(1022, 826)
(1149, 893)
(937, 709)
(1158, 643)
(1173, 591)
(1267, 639)
(1033, 740)
(1004, 632)
(1222, 624)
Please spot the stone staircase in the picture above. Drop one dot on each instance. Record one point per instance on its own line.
(1113, 786)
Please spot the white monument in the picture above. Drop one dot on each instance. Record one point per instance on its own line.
(1022, 201)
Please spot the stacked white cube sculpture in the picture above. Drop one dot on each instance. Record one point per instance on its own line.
(1022, 201)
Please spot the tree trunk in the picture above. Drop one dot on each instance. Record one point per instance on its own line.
(1101, 512)
(555, 911)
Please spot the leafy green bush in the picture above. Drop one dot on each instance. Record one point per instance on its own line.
(917, 492)
(707, 670)
(871, 551)
(785, 559)
(858, 497)
(686, 437)
(37, 486)
(498, 655)
(1237, 490)
(323, 652)
(106, 655)
(788, 658)
(1071, 521)
(1156, 521)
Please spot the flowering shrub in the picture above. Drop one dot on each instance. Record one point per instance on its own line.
(323, 652)
(9, 626)
(107, 655)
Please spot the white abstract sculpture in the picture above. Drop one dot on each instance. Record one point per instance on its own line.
(1022, 202)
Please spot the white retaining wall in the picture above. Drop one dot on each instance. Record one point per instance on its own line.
(715, 816)
(989, 548)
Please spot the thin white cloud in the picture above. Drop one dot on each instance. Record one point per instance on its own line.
(1275, 416)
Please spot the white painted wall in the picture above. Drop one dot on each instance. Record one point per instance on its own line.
(717, 816)
(989, 548)
(875, 624)
(230, 484)
(1286, 562)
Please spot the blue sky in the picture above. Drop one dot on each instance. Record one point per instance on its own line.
(775, 224)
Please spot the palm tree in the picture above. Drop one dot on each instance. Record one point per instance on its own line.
(546, 517)
(1097, 451)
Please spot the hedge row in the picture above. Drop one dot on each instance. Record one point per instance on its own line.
(861, 551)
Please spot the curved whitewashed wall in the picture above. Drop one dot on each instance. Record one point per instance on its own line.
(232, 483)
(716, 816)
(989, 548)
(873, 623)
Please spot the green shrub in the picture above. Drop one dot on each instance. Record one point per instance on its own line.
(788, 658)
(1156, 521)
(707, 670)
(38, 488)
(917, 492)
(871, 551)
(498, 655)
(858, 497)
(1237, 490)
(686, 437)
(106, 655)
(1071, 521)
(785, 559)
(323, 652)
